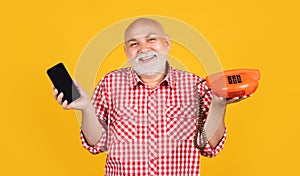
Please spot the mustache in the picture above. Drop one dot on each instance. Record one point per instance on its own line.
(146, 55)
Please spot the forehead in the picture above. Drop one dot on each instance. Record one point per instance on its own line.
(143, 29)
(137, 38)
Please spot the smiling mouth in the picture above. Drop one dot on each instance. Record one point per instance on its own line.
(148, 58)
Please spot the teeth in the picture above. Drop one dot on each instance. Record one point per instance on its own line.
(145, 58)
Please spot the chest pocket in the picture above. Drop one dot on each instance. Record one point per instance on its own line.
(181, 121)
(123, 125)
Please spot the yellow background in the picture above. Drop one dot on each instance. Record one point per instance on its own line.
(39, 138)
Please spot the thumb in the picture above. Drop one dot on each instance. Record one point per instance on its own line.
(76, 83)
(78, 86)
(80, 89)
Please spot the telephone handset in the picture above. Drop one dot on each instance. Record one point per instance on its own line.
(233, 83)
(227, 84)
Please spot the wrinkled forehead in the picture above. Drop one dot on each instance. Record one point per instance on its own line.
(141, 37)
(139, 30)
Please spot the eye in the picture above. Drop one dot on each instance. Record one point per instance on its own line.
(152, 39)
(133, 44)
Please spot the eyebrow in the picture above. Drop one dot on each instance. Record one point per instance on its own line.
(134, 39)
(131, 40)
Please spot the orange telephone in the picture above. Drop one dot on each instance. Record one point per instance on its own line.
(234, 83)
(227, 84)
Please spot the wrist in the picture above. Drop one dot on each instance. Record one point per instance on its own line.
(218, 102)
(88, 108)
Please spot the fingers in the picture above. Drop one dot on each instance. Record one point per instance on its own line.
(66, 106)
(80, 103)
(59, 98)
(242, 98)
(232, 100)
(55, 92)
(237, 99)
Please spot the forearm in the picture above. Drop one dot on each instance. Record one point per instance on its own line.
(214, 126)
(90, 126)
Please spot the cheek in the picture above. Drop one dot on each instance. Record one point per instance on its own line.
(130, 53)
(130, 58)
(159, 47)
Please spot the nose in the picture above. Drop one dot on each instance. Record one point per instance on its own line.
(144, 48)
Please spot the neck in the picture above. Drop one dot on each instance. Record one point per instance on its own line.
(153, 80)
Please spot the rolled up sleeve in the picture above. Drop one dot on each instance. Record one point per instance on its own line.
(210, 152)
(101, 146)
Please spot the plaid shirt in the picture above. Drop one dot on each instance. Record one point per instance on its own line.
(149, 132)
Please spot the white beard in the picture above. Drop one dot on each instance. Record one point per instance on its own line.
(155, 65)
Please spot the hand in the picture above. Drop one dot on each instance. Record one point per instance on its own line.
(80, 104)
(225, 101)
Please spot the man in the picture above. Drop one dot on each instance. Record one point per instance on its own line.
(146, 115)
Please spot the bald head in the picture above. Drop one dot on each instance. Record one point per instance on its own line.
(142, 27)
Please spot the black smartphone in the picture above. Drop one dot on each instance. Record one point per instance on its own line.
(63, 82)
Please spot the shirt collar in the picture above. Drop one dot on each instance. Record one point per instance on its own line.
(168, 80)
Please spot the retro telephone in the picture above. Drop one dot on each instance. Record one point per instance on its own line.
(228, 84)
(234, 83)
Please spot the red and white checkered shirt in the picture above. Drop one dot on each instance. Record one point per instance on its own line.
(149, 132)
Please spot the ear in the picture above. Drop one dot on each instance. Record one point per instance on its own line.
(125, 50)
(168, 42)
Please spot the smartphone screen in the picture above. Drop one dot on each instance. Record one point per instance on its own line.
(63, 82)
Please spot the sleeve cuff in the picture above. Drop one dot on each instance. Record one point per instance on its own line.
(210, 152)
(101, 146)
